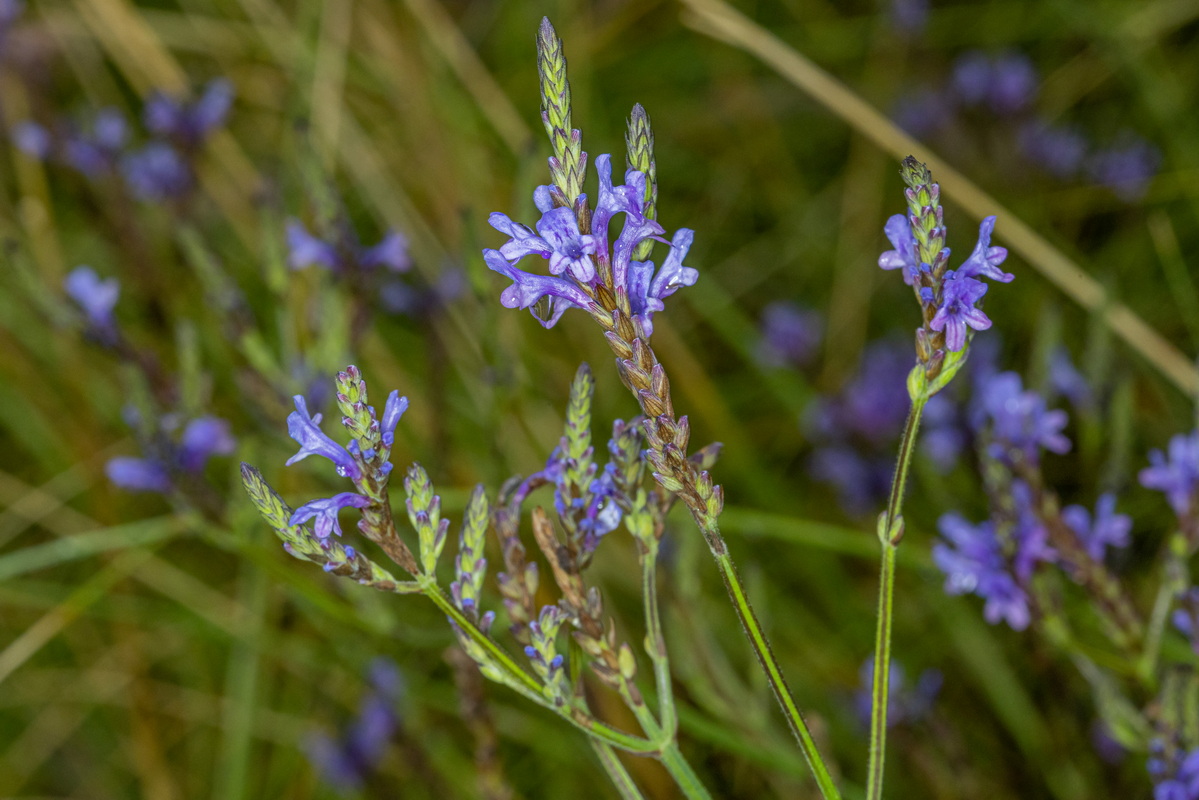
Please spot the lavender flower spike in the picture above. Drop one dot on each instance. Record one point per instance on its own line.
(305, 429)
(325, 511)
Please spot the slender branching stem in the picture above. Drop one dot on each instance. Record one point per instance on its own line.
(761, 647)
(620, 777)
(656, 642)
(529, 687)
(688, 782)
(890, 532)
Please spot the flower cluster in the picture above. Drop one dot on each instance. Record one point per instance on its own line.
(366, 461)
(581, 261)
(994, 560)
(96, 298)
(168, 458)
(1020, 423)
(1002, 90)
(1175, 778)
(161, 168)
(1176, 472)
(347, 760)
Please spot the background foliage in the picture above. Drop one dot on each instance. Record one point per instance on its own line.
(159, 651)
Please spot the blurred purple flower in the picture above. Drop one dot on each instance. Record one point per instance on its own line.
(909, 16)
(97, 147)
(347, 254)
(203, 438)
(9, 11)
(346, 762)
(905, 704)
(32, 139)
(1176, 474)
(157, 172)
(1186, 616)
(138, 474)
(1108, 528)
(790, 334)
(1007, 83)
(1019, 419)
(1057, 150)
(943, 436)
(189, 124)
(971, 556)
(923, 112)
(1125, 169)
(1176, 779)
(860, 481)
(95, 297)
(1067, 381)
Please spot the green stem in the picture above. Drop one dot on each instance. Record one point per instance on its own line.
(528, 685)
(620, 777)
(890, 532)
(682, 773)
(657, 643)
(761, 648)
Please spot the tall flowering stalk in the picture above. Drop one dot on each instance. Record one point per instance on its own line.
(621, 291)
(947, 300)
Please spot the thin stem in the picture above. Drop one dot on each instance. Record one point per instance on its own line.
(761, 648)
(620, 777)
(682, 773)
(890, 532)
(528, 686)
(667, 714)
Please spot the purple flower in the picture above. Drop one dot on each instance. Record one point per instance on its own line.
(957, 309)
(972, 559)
(1057, 150)
(1186, 616)
(1177, 779)
(189, 124)
(1013, 83)
(1125, 169)
(1178, 474)
(905, 704)
(1067, 381)
(390, 252)
(985, 259)
(1109, 528)
(570, 254)
(646, 293)
(923, 112)
(909, 16)
(325, 511)
(305, 249)
(97, 150)
(305, 429)
(95, 297)
(790, 334)
(560, 242)
(942, 436)
(1020, 421)
(31, 139)
(528, 289)
(139, 474)
(157, 172)
(392, 411)
(203, 438)
(1007, 83)
(905, 256)
(346, 762)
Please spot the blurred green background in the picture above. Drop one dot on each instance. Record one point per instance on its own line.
(149, 649)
